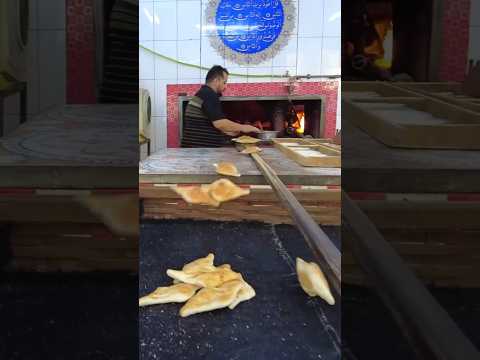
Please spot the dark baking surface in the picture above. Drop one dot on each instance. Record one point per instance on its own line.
(369, 332)
(68, 316)
(281, 322)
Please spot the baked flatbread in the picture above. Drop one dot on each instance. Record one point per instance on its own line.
(246, 293)
(224, 190)
(204, 264)
(251, 150)
(227, 168)
(312, 281)
(196, 195)
(212, 298)
(214, 278)
(168, 294)
(244, 139)
(118, 212)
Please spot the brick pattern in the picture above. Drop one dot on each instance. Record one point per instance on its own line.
(328, 89)
(80, 52)
(455, 37)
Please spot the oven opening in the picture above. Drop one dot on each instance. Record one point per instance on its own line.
(388, 40)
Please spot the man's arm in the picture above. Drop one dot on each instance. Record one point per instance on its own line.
(230, 127)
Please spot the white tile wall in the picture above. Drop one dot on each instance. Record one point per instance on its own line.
(310, 60)
(33, 11)
(33, 75)
(146, 21)
(165, 20)
(188, 20)
(474, 13)
(147, 59)
(332, 18)
(209, 56)
(46, 59)
(160, 131)
(51, 15)
(52, 68)
(310, 12)
(474, 39)
(189, 52)
(176, 29)
(165, 69)
(474, 48)
(288, 55)
(159, 98)
(331, 53)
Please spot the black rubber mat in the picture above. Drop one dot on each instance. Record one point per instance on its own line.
(281, 322)
(365, 317)
(68, 316)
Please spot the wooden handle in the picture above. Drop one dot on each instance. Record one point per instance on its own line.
(326, 253)
(429, 329)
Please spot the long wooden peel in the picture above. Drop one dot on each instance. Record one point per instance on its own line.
(328, 256)
(428, 327)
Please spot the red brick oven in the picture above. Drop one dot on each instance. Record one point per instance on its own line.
(326, 89)
(455, 36)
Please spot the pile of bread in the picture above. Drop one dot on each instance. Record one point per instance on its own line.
(205, 287)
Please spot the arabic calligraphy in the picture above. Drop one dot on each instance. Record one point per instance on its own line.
(249, 26)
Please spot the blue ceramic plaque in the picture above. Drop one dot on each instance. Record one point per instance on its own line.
(249, 31)
(249, 26)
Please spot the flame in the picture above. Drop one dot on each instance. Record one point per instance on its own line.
(382, 50)
(300, 125)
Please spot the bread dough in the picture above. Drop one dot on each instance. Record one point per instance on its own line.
(227, 168)
(196, 195)
(168, 294)
(212, 298)
(312, 281)
(224, 190)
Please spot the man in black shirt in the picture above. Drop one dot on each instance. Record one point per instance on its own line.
(204, 122)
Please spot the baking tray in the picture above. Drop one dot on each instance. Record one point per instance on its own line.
(373, 89)
(415, 123)
(451, 92)
(308, 153)
(280, 322)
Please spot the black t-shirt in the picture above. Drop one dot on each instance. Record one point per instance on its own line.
(211, 106)
(201, 111)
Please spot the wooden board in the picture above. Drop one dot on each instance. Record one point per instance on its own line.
(373, 89)
(73, 146)
(177, 166)
(415, 123)
(438, 257)
(309, 153)
(160, 202)
(450, 92)
(56, 246)
(371, 166)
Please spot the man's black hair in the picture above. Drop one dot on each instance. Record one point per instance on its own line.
(216, 71)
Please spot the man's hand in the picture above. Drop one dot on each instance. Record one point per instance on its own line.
(250, 129)
(229, 127)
